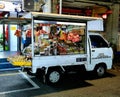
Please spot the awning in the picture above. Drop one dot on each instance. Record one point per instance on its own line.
(59, 17)
(19, 21)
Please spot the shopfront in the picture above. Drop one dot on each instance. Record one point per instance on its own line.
(8, 42)
(4, 45)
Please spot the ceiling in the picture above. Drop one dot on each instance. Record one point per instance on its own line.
(85, 3)
(76, 4)
(99, 6)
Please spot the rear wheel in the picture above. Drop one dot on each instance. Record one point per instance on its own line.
(100, 70)
(53, 76)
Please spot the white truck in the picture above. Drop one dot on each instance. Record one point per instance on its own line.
(67, 46)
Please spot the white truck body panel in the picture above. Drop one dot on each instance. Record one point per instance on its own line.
(96, 25)
(62, 60)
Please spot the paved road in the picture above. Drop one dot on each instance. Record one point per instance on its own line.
(17, 84)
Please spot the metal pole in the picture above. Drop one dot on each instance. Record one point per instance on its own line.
(3, 37)
(23, 4)
(60, 8)
(32, 24)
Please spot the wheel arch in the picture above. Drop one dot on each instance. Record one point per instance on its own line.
(60, 68)
(46, 69)
(101, 64)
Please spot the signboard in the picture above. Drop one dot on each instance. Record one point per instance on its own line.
(2, 5)
(8, 6)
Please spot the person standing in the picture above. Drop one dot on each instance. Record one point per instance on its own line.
(18, 34)
(28, 37)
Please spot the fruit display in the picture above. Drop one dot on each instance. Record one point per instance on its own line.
(18, 33)
(73, 37)
(27, 50)
(63, 36)
(60, 41)
(19, 60)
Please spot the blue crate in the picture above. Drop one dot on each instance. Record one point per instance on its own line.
(5, 65)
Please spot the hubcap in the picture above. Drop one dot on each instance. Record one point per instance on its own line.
(54, 76)
(100, 71)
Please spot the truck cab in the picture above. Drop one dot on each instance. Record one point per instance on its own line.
(100, 53)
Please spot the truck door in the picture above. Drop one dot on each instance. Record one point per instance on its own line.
(100, 51)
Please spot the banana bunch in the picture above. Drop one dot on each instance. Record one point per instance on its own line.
(20, 60)
(16, 58)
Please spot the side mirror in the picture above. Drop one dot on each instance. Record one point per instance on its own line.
(110, 44)
(114, 46)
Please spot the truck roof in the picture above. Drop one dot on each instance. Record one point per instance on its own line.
(59, 17)
(27, 18)
(46, 16)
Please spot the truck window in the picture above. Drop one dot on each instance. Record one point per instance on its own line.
(98, 41)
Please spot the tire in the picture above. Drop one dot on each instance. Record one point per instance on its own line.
(100, 70)
(40, 75)
(53, 77)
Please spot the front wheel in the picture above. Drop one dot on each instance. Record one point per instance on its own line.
(100, 70)
(53, 76)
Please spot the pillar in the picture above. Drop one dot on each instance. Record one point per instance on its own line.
(47, 6)
(112, 25)
(54, 6)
